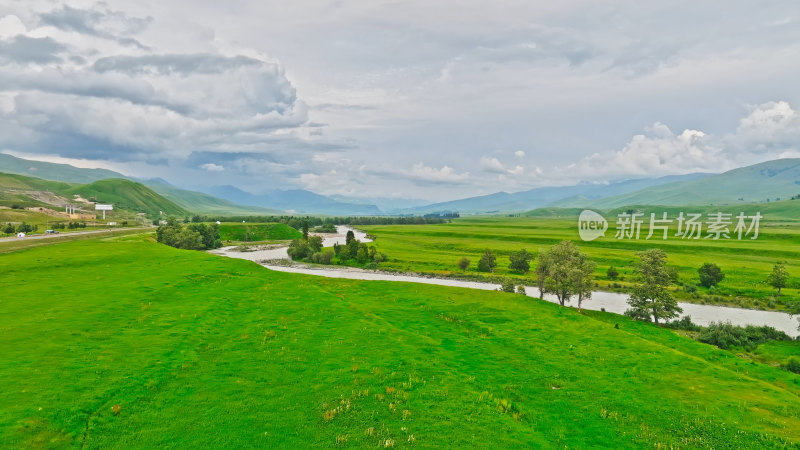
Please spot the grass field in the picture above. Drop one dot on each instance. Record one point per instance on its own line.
(126, 343)
(436, 249)
(257, 232)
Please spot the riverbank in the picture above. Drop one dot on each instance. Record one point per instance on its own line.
(601, 301)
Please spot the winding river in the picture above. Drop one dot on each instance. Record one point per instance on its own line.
(271, 256)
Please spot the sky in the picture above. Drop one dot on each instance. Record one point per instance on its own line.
(405, 99)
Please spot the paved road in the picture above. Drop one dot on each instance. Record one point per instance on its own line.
(73, 233)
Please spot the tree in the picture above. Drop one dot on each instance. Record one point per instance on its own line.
(651, 298)
(487, 262)
(350, 237)
(612, 273)
(567, 273)
(520, 261)
(305, 229)
(299, 249)
(507, 285)
(362, 254)
(9, 229)
(778, 278)
(710, 275)
(542, 271)
(463, 263)
(315, 243)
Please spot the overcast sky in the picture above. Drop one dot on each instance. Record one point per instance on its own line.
(434, 100)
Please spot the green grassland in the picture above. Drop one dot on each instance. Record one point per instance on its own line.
(435, 249)
(257, 232)
(126, 343)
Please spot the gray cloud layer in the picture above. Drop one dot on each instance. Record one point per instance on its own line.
(435, 100)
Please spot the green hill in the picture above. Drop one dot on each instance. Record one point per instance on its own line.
(768, 181)
(132, 344)
(128, 195)
(19, 190)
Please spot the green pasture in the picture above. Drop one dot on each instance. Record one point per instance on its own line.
(257, 232)
(435, 249)
(126, 343)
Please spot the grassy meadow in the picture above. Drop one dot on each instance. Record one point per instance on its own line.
(127, 343)
(257, 232)
(436, 249)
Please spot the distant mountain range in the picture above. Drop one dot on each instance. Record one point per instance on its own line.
(294, 200)
(762, 182)
(502, 202)
(227, 200)
(765, 182)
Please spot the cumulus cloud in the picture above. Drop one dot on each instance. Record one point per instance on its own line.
(211, 167)
(431, 175)
(657, 152)
(519, 154)
(769, 131)
(768, 126)
(492, 164)
(86, 99)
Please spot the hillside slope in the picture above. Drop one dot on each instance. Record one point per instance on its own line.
(200, 203)
(128, 195)
(53, 171)
(768, 181)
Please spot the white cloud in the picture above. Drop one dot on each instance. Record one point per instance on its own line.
(658, 152)
(444, 175)
(492, 164)
(211, 167)
(519, 154)
(769, 125)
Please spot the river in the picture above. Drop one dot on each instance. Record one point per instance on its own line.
(610, 301)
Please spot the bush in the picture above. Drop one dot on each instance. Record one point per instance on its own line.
(322, 257)
(193, 237)
(793, 365)
(507, 285)
(463, 264)
(726, 335)
(685, 323)
(710, 275)
(612, 273)
(487, 262)
(689, 288)
(521, 290)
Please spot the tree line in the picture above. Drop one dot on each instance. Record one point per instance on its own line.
(566, 273)
(309, 249)
(297, 221)
(194, 236)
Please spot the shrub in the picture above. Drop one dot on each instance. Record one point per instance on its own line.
(507, 285)
(684, 323)
(612, 273)
(726, 335)
(322, 257)
(521, 290)
(463, 264)
(710, 275)
(793, 365)
(487, 262)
